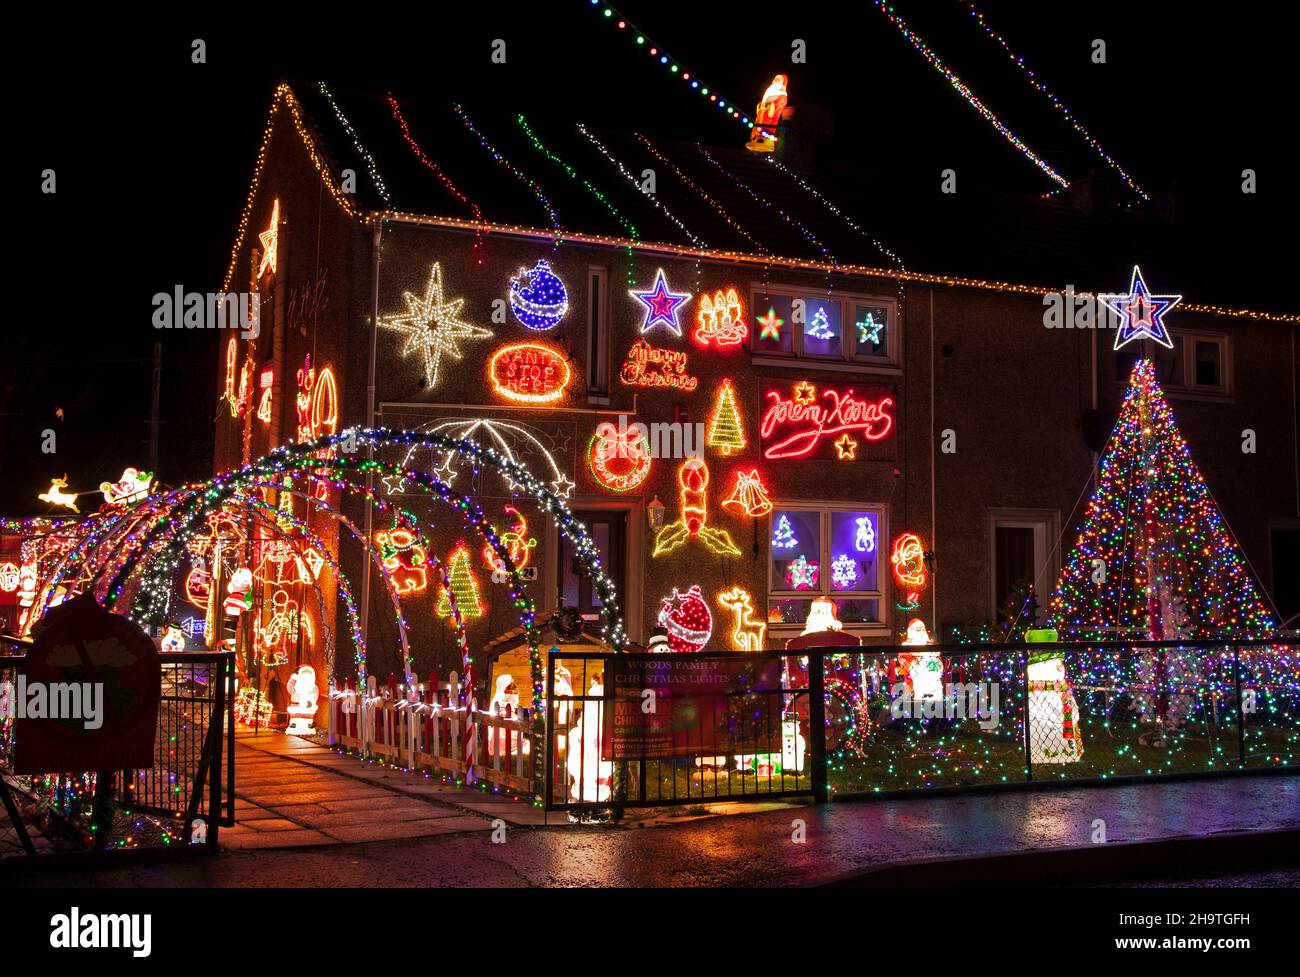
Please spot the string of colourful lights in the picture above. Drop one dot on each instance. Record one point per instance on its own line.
(1056, 102)
(965, 92)
(527, 181)
(591, 188)
(371, 167)
(441, 175)
(672, 65)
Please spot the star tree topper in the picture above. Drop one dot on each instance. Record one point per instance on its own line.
(1141, 313)
(661, 305)
(431, 325)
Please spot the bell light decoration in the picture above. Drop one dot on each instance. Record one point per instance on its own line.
(654, 512)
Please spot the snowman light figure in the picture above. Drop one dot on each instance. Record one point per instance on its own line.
(303, 694)
(591, 775)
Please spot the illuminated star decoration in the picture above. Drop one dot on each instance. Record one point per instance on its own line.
(270, 239)
(804, 393)
(846, 448)
(1141, 313)
(431, 324)
(661, 305)
(869, 329)
(771, 324)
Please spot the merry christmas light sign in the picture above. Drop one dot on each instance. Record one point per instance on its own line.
(826, 422)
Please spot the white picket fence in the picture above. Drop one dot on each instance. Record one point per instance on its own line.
(421, 726)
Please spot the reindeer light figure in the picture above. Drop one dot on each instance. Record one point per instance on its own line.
(56, 495)
(747, 632)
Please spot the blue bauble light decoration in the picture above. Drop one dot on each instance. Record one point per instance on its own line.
(538, 298)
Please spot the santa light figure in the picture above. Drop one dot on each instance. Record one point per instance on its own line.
(239, 592)
(922, 670)
(303, 694)
(767, 117)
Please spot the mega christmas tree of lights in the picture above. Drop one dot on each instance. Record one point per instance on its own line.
(1154, 548)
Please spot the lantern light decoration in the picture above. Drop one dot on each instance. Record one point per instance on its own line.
(749, 495)
(55, 495)
(747, 631)
(822, 617)
(463, 586)
(529, 373)
(619, 460)
(651, 366)
(432, 326)
(538, 297)
(725, 430)
(693, 483)
(132, 487)
(661, 305)
(687, 619)
(720, 319)
(908, 560)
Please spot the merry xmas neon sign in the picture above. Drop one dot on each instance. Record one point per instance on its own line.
(796, 423)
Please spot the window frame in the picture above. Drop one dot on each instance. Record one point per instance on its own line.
(1046, 526)
(1187, 340)
(850, 358)
(883, 592)
(598, 335)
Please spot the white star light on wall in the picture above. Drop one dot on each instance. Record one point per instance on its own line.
(270, 239)
(431, 325)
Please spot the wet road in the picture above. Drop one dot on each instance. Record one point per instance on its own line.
(749, 850)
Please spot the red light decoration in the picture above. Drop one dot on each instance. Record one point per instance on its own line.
(908, 560)
(650, 366)
(767, 117)
(721, 319)
(529, 372)
(749, 495)
(404, 559)
(687, 619)
(796, 427)
(265, 381)
(306, 378)
(693, 483)
(518, 544)
(620, 460)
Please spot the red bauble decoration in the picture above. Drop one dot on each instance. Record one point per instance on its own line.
(687, 619)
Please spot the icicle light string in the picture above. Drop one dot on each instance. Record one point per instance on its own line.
(371, 168)
(527, 181)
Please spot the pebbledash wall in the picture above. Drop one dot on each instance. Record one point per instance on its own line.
(990, 410)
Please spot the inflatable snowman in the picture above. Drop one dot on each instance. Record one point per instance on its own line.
(1054, 735)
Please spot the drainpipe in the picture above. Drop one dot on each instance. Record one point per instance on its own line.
(370, 416)
(934, 488)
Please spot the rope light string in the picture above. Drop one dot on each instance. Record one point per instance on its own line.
(371, 168)
(527, 181)
(591, 188)
(1055, 100)
(442, 177)
(965, 92)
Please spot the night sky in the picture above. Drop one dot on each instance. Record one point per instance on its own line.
(153, 153)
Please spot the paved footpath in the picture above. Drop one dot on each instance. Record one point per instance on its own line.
(739, 850)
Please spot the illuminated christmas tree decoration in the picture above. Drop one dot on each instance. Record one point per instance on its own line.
(132, 487)
(801, 574)
(749, 495)
(771, 324)
(265, 382)
(747, 631)
(651, 366)
(908, 560)
(693, 483)
(661, 305)
(869, 329)
(404, 559)
(538, 298)
(1141, 313)
(55, 495)
(519, 545)
(864, 540)
(8, 577)
(721, 319)
(620, 461)
(464, 587)
(797, 427)
(844, 572)
(820, 327)
(783, 537)
(432, 326)
(270, 241)
(529, 373)
(725, 431)
(767, 117)
(687, 619)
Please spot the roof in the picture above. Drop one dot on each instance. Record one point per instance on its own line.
(421, 158)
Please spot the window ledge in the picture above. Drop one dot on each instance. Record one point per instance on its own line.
(831, 366)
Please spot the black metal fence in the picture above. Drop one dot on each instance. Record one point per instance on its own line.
(188, 793)
(886, 720)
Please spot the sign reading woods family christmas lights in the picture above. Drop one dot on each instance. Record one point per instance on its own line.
(807, 420)
(682, 706)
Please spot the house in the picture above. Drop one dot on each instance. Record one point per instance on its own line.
(820, 416)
